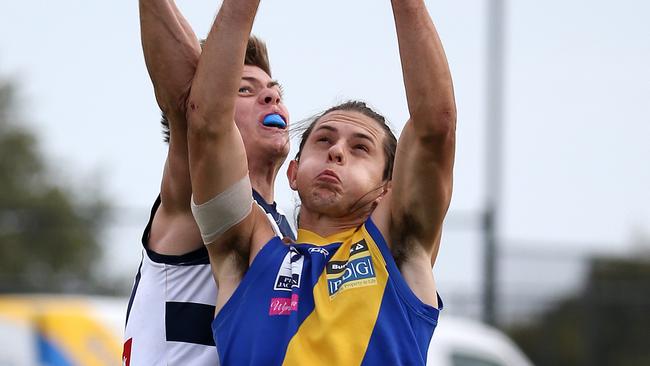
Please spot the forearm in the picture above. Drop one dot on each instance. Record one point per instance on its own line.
(427, 79)
(215, 84)
(171, 52)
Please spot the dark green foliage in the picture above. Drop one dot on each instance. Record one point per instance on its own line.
(607, 324)
(49, 238)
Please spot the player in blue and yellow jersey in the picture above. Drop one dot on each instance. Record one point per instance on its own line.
(356, 288)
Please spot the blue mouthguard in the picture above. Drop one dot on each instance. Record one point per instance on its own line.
(274, 120)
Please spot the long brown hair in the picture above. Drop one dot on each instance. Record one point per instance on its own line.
(390, 141)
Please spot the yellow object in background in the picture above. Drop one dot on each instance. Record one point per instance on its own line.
(61, 330)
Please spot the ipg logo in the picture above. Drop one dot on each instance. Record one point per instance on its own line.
(355, 273)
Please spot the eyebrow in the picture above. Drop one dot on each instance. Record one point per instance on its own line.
(355, 135)
(364, 136)
(273, 83)
(254, 80)
(270, 84)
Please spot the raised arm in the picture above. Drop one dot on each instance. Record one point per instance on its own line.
(422, 179)
(171, 52)
(217, 155)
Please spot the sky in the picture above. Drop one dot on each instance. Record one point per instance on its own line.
(576, 112)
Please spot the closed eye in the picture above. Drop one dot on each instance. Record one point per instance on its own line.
(362, 147)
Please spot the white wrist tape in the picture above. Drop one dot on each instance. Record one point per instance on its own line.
(224, 211)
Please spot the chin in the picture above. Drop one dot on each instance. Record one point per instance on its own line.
(276, 148)
(281, 152)
(327, 203)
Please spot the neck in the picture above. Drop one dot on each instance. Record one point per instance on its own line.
(262, 174)
(325, 225)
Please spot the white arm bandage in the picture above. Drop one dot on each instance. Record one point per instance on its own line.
(224, 211)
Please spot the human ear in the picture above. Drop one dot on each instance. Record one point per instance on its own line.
(385, 189)
(292, 174)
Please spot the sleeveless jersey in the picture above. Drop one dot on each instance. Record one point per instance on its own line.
(172, 305)
(339, 300)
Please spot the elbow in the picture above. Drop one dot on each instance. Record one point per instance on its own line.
(197, 121)
(437, 123)
(204, 119)
(171, 105)
(445, 118)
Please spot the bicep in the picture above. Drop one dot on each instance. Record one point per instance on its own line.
(176, 187)
(422, 184)
(174, 231)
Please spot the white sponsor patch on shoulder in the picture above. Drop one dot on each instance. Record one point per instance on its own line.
(290, 271)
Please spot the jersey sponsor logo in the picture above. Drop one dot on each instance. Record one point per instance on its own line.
(359, 247)
(352, 274)
(126, 352)
(336, 267)
(283, 305)
(290, 271)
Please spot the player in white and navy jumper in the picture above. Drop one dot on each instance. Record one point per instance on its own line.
(172, 303)
(174, 293)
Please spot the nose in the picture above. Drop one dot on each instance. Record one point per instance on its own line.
(336, 154)
(269, 96)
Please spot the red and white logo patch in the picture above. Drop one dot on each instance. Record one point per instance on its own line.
(283, 305)
(126, 352)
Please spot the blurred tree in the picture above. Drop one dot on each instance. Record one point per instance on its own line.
(49, 238)
(607, 324)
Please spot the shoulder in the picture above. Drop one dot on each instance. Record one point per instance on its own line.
(172, 234)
